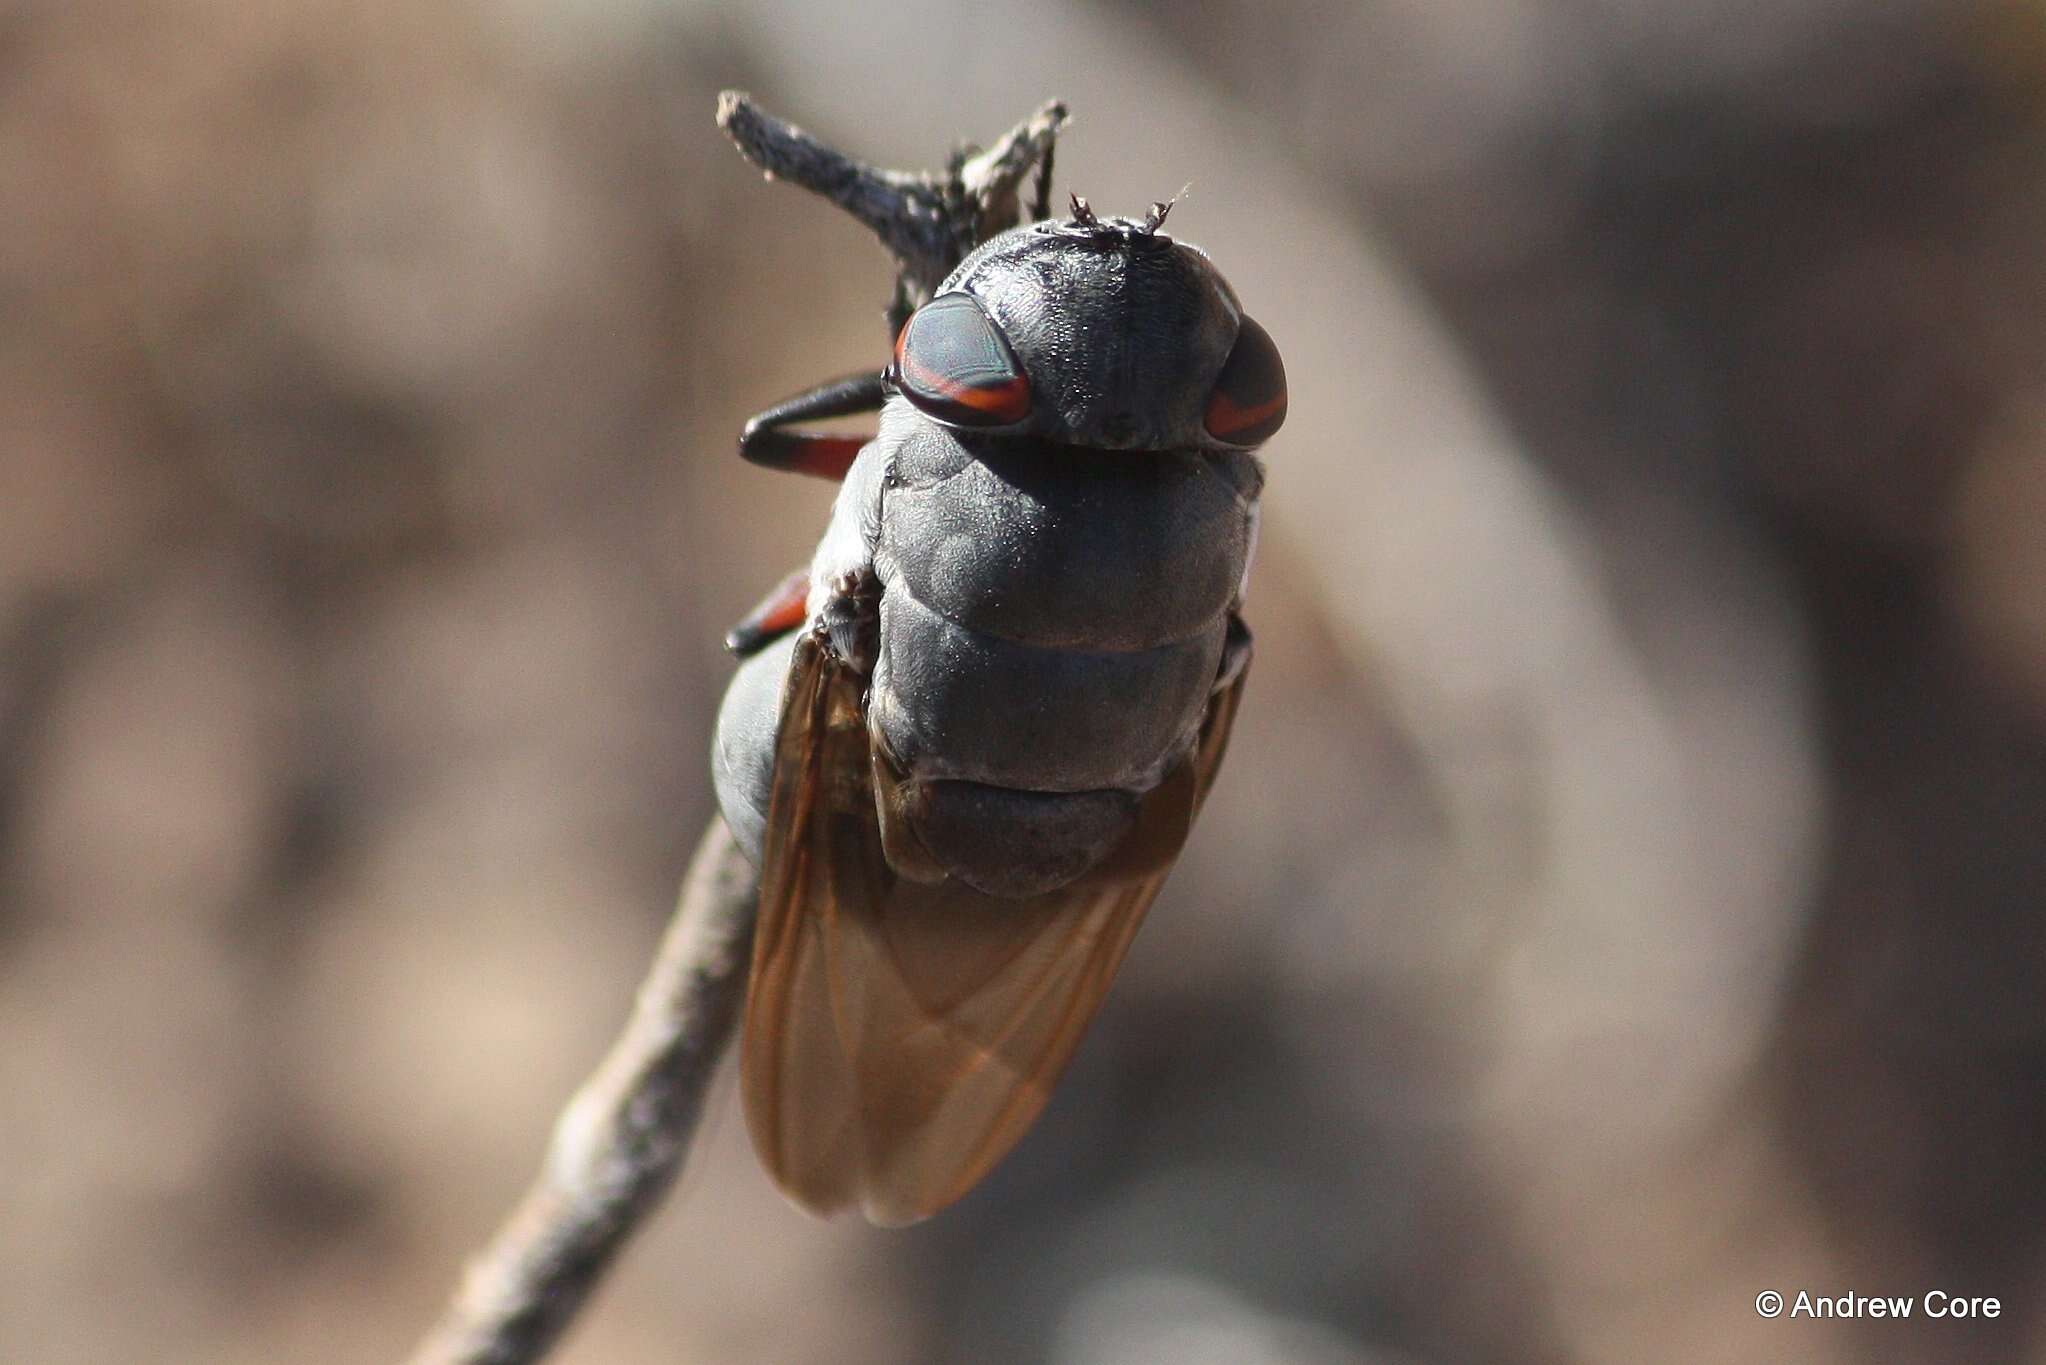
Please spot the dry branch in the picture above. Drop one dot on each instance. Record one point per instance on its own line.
(618, 1145)
(929, 222)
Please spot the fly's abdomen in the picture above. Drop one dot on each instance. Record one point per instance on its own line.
(953, 702)
(1051, 625)
(1066, 547)
(1028, 762)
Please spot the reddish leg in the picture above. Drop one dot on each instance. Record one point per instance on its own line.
(780, 612)
(767, 441)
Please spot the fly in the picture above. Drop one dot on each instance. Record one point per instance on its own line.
(968, 741)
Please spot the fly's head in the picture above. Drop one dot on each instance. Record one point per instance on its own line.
(1096, 332)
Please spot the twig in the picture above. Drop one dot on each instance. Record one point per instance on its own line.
(929, 222)
(618, 1145)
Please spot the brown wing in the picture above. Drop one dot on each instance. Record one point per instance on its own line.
(902, 1035)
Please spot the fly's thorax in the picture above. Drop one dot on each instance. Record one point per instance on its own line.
(847, 548)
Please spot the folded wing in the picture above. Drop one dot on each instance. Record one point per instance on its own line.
(902, 1035)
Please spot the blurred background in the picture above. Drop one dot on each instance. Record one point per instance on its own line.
(1625, 893)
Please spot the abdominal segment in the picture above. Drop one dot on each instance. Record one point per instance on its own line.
(950, 702)
(1008, 842)
(1024, 766)
(1051, 623)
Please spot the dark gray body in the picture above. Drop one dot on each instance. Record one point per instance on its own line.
(1053, 600)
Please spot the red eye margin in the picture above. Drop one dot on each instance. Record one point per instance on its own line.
(1249, 400)
(955, 364)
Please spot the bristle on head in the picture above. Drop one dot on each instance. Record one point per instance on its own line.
(1087, 223)
(1156, 218)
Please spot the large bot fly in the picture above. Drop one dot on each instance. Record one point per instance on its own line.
(969, 741)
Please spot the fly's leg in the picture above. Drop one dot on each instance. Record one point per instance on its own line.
(851, 619)
(768, 442)
(780, 612)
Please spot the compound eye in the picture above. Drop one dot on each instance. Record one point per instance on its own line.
(953, 362)
(1249, 401)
